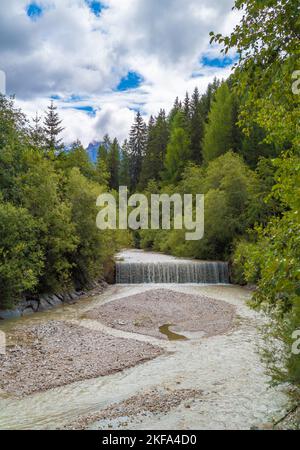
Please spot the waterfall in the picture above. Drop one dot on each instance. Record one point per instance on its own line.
(172, 272)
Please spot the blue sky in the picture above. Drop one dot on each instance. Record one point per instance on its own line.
(131, 81)
(95, 6)
(219, 62)
(101, 61)
(34, 11)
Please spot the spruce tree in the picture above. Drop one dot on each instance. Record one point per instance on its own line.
(102, 161)
(157, 141)
(187, 108)
(197, 127)
(102, 153)
(207, 99)
(124, 176)
(113, 163)
(218, 135)
(176, 108)
(178, 150)
(36, 133)
(106, 142)
(52, 128)
(137, 146)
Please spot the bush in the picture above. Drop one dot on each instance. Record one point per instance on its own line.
(246, 263)
(229, 187)
(21, 256)
(40, 191)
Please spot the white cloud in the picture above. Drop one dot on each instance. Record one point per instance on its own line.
(69, 50)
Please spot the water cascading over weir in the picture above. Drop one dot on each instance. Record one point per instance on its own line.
(172, 272)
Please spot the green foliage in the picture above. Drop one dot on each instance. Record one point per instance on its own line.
(124, 174)
(246, 262)
(103, 175)
(157, 141)
(218, 136)
(39, 189)
(137, 148)
(113, 164)
(178, 150)
(267, 42)
(49, 241)
(52, 129)
(197, 121)
(229, 187)
(21, 255)
(77, 157)
(93, 246)
(278, 243)
(254, 147)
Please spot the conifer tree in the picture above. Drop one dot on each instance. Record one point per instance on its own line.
(176, 108)
(124, 176)
(113, 163)
(178, 149)
(218, 138)
(137, 146)
(197, 127)
(36, 133)
(106, 142)
(207, 99)
(52, 128)
(157, 141)
(102, 162)
(102, 153)
(187, 108)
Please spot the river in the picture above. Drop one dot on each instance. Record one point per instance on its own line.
(225, 368)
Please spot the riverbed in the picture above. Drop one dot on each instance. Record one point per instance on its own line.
(208, 380)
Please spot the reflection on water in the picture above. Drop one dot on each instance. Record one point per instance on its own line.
(165, 329)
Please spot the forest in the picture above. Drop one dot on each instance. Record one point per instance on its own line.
(238, 143)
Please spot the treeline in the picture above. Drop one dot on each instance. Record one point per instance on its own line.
(48, 236)
(197, 130)
(198, 147)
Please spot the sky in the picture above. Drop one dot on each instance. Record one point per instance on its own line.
(101, 62)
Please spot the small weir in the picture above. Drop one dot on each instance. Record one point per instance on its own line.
(172, 272)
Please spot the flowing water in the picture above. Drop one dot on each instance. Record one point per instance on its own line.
(227, 368)
(138, 267)
(172, 272)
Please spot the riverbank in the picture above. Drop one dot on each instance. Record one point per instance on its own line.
(104, 362)
(205, 382)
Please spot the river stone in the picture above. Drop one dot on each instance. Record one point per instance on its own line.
(44, 304)
(29, 304)
(54, 300)
(27, 311)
